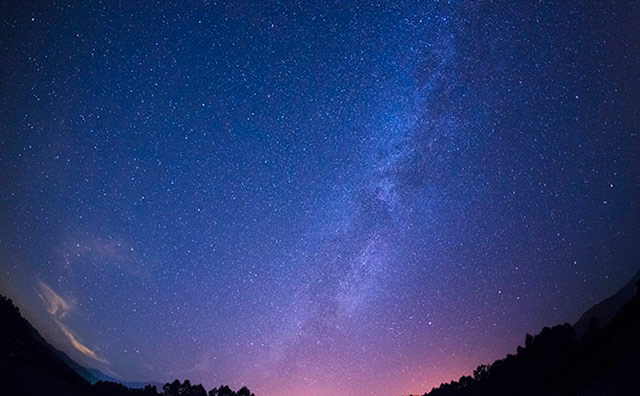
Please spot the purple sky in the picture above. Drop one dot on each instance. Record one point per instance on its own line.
(314, 199)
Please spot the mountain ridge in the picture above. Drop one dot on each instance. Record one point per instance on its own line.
(557, 362)
(94, 375)
(601, 358)
(30, 366)
(606, 309)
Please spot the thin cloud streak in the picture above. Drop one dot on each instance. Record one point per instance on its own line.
(59, 308)
(79, 345)
(56, 305)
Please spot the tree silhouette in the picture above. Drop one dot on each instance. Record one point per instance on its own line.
(244, 391)
(224, 390)
(184, 389)
(555, 362)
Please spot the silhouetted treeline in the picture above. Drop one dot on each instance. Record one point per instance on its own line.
(555, 362)
(175, 388)
(30, 366)
(606, 360)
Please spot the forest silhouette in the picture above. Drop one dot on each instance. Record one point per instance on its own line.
(554, 362)
(557, 362)
(29, 365)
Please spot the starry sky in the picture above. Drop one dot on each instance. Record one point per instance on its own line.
(314, 198)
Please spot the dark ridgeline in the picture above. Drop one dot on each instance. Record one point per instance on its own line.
(30, 366)
(606, 309)
(604, 361)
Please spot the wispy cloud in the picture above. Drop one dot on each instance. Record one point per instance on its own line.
(59, 307)
(79, 345)
(97, 253)
(56, 305)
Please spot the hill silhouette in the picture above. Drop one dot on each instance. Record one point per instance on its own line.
(604, 360)
(94, 375)
(30, 366)
(607, 309)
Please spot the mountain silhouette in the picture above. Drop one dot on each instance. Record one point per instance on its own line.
(600, 355)
(603, 360)
(30, 366)
(605, 310)
(94, 375)
(84, 372)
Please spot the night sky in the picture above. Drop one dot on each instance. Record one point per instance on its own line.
(314, 199)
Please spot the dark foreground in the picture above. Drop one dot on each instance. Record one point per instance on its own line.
(602, 358)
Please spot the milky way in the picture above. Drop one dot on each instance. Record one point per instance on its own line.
(314, 199)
